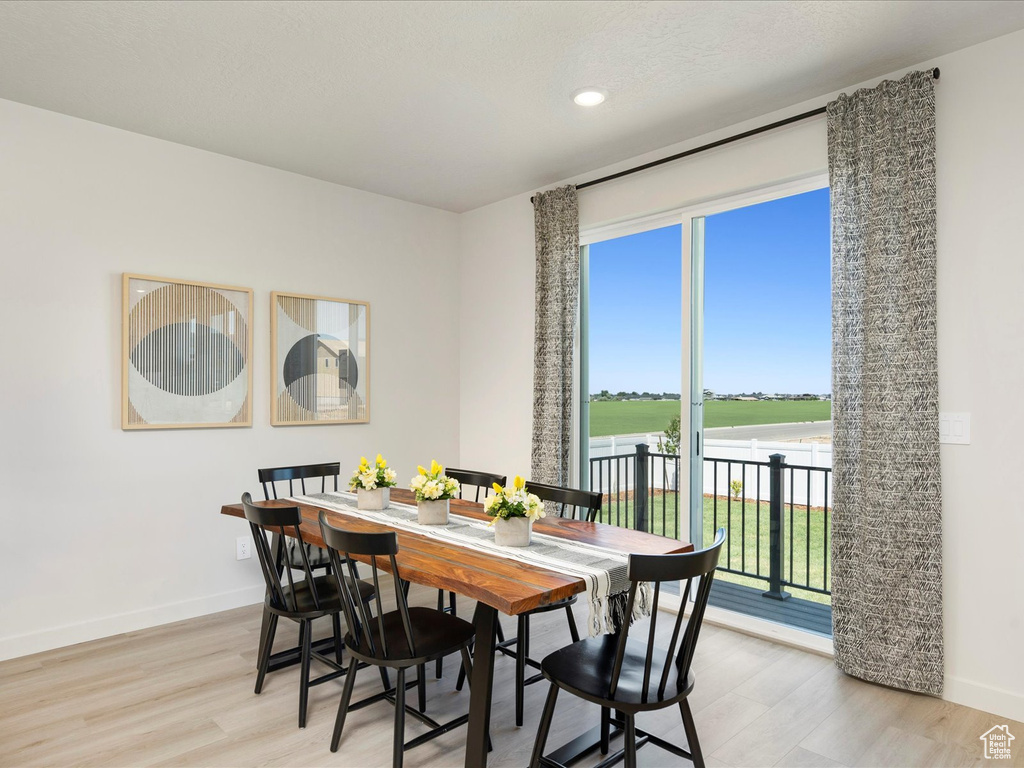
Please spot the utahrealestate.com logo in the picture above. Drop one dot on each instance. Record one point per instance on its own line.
(997, 742)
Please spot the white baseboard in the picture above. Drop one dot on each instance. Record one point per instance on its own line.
(72, 634)
(766, 630)
(769, 630)
(996, 701)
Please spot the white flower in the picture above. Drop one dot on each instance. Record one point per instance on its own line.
(368, 480)
(390, 475)
(417, 482)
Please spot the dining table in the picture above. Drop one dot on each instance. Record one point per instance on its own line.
(498, 584)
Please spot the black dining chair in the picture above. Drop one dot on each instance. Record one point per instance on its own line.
(562, 502)
(628, 675)
(400, 639)
(300, 601)
(482, 484)
(269, 478)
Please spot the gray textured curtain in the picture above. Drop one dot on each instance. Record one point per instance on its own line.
(557, 228)
(887, 511)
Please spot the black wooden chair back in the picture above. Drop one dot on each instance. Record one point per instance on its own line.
(283, 521)
(270, 476)
(342, 545)
(657, 569)
(567, 502)
(481, 481)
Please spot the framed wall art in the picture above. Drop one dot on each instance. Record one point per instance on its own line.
(186, 354)
(320, 360)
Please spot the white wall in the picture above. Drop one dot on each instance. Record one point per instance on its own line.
(981, 369)
(106, 530)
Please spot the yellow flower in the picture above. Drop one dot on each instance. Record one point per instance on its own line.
(519, 483)
(497, 488)
(421, 469)
(363, 462)
(435, 468)
(380, 461)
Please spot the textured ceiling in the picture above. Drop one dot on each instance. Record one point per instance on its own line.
(456, 105)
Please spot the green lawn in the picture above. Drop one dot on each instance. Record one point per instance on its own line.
(742, 551)
(625, 417)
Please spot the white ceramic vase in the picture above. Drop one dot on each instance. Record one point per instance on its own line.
(513, 531)
(378, 498)
(432, 511)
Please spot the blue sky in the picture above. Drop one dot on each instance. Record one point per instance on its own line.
(767, 303)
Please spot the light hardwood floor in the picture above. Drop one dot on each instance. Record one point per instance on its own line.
(181, 694)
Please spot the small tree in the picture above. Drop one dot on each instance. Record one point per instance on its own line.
(737, 488)
(670, 443)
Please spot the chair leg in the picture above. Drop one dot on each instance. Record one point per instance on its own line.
(691, 733)
(629, 742)
(346, 697)
(399, 744)
(500, 631)
(545, 726)
(338, 644)
(606, 727)
(573, 632)
(305, 639)
(439, 666)
(421, 687)
(264, 633)
(522, 651)
(453, 608)
(266, 650)
(461, 680)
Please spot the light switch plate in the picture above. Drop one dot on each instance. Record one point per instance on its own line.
(955, 428)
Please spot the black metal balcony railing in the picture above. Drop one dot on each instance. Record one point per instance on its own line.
(776, 515)
(640, 490)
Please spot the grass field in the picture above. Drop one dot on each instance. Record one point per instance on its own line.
(625, 417)
(746, 550)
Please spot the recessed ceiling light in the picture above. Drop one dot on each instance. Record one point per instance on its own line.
(590, 97)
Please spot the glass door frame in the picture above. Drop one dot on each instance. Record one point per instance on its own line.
(691, 217)
(693, 274)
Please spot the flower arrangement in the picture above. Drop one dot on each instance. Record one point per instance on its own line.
(369, 477)
(513, 501)
(433, 485)
(514, 510)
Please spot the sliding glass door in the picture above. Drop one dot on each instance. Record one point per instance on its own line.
(760, 404)
(631, 393)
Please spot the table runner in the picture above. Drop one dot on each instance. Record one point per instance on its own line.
(602, 570)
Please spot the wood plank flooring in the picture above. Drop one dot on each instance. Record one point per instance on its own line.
(181, 695)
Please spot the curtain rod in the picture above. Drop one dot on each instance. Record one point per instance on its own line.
(713, 144)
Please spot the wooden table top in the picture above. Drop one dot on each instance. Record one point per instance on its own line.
(509, 586)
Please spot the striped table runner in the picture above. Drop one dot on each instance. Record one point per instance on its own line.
(603, 570)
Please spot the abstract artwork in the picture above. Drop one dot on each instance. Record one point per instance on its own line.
(186, 354)
(320, 360)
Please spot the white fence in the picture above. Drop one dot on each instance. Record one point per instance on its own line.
(805, 485)
(617, 476)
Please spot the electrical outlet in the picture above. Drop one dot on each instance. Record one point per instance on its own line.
(242, 548)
